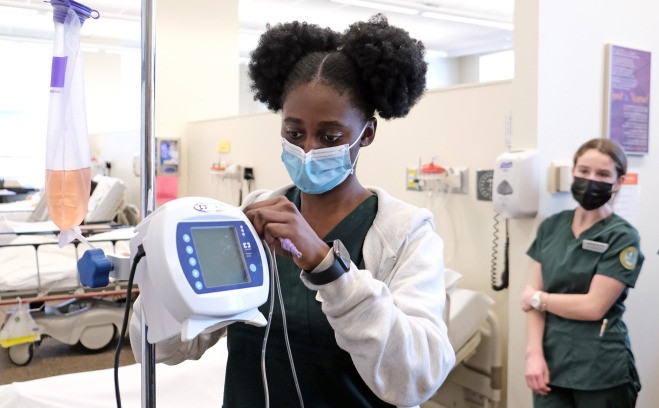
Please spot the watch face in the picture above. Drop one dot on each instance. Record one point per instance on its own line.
(341, 254)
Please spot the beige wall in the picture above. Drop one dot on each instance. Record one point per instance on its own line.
(196, 65)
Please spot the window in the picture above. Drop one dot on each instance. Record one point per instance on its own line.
(25, 84)
(497, 66)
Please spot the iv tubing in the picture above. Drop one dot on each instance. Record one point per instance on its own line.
(274, 279)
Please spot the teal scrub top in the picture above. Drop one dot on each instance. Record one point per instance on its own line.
(326, 373)
(577, 356)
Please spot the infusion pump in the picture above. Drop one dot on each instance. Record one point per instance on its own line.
(204, 268)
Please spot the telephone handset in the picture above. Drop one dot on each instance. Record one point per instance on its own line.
(515, 194)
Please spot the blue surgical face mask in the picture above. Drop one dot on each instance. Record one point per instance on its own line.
(318, 170)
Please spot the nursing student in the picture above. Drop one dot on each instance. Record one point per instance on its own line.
(363, 303)
(585, 261)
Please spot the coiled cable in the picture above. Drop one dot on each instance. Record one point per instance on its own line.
(493, 263)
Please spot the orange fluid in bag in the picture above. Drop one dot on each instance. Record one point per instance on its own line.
(67, 192)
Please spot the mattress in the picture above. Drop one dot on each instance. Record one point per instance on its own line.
(17, 210)
(200, 382)
(468, 311)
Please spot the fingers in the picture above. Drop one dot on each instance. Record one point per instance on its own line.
(274, 211)
(525, 298)
(279, 218)
(537, 376)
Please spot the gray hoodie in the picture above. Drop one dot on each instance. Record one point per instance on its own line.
(387, 316)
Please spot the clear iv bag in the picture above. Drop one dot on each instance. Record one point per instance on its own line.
(68, 159)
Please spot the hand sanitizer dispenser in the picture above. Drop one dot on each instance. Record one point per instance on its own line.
(515, 191)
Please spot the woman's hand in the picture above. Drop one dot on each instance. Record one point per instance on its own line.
(279, 218)
(537, 374)
(525, 299)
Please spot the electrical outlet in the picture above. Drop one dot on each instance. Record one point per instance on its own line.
(248, 173)
(412, 179)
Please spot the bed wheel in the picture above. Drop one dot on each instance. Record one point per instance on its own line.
(97, 337)
(22, 354)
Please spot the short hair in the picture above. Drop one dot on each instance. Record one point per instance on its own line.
(608, 147)
(379, 66)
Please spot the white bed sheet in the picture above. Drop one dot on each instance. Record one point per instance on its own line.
(16, 211)
(57, 266)
(198, 384)
(468, 311)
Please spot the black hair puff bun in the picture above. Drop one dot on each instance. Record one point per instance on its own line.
(379, 65)
(279, 49)
(390, 61)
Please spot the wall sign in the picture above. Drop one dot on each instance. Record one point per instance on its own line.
(628, 98)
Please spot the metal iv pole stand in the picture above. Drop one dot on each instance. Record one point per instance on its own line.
(148, 176)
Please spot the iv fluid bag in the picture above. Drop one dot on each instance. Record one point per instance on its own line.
(68, 161)
(68, 193)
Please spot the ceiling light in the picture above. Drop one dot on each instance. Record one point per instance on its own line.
(378, 6)
(468, 20)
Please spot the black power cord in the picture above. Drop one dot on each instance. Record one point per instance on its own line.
(124, 325)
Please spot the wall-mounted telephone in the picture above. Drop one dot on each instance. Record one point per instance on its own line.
(515, 194)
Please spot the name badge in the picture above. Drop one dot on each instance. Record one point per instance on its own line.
(594, 246)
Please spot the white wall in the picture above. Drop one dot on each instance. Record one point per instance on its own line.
(460, 126)
(558, 100)
(197, 65)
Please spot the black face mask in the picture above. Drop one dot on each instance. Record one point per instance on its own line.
(591, 194)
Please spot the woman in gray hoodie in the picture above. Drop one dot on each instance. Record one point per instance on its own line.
(363, 283)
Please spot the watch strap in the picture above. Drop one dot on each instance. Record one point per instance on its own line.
(330, 274)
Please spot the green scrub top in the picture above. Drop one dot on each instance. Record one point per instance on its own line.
(325, 372)
(578, 357)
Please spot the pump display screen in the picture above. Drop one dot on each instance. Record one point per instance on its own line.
(220, 256)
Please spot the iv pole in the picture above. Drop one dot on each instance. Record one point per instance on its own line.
(147, 177)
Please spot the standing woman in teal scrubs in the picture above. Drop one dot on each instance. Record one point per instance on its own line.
(585, 260)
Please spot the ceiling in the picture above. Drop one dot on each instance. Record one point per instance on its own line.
(484, 25)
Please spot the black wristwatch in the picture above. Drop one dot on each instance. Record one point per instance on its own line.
(340, 265)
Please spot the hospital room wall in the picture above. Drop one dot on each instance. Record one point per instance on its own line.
(558, 103)
(458, 126)
(197, 78)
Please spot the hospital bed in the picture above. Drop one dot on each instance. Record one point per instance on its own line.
(474, 382)
(34, 270)
(33, 267)
(473, 330)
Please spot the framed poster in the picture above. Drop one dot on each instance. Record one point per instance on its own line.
(627, 103)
